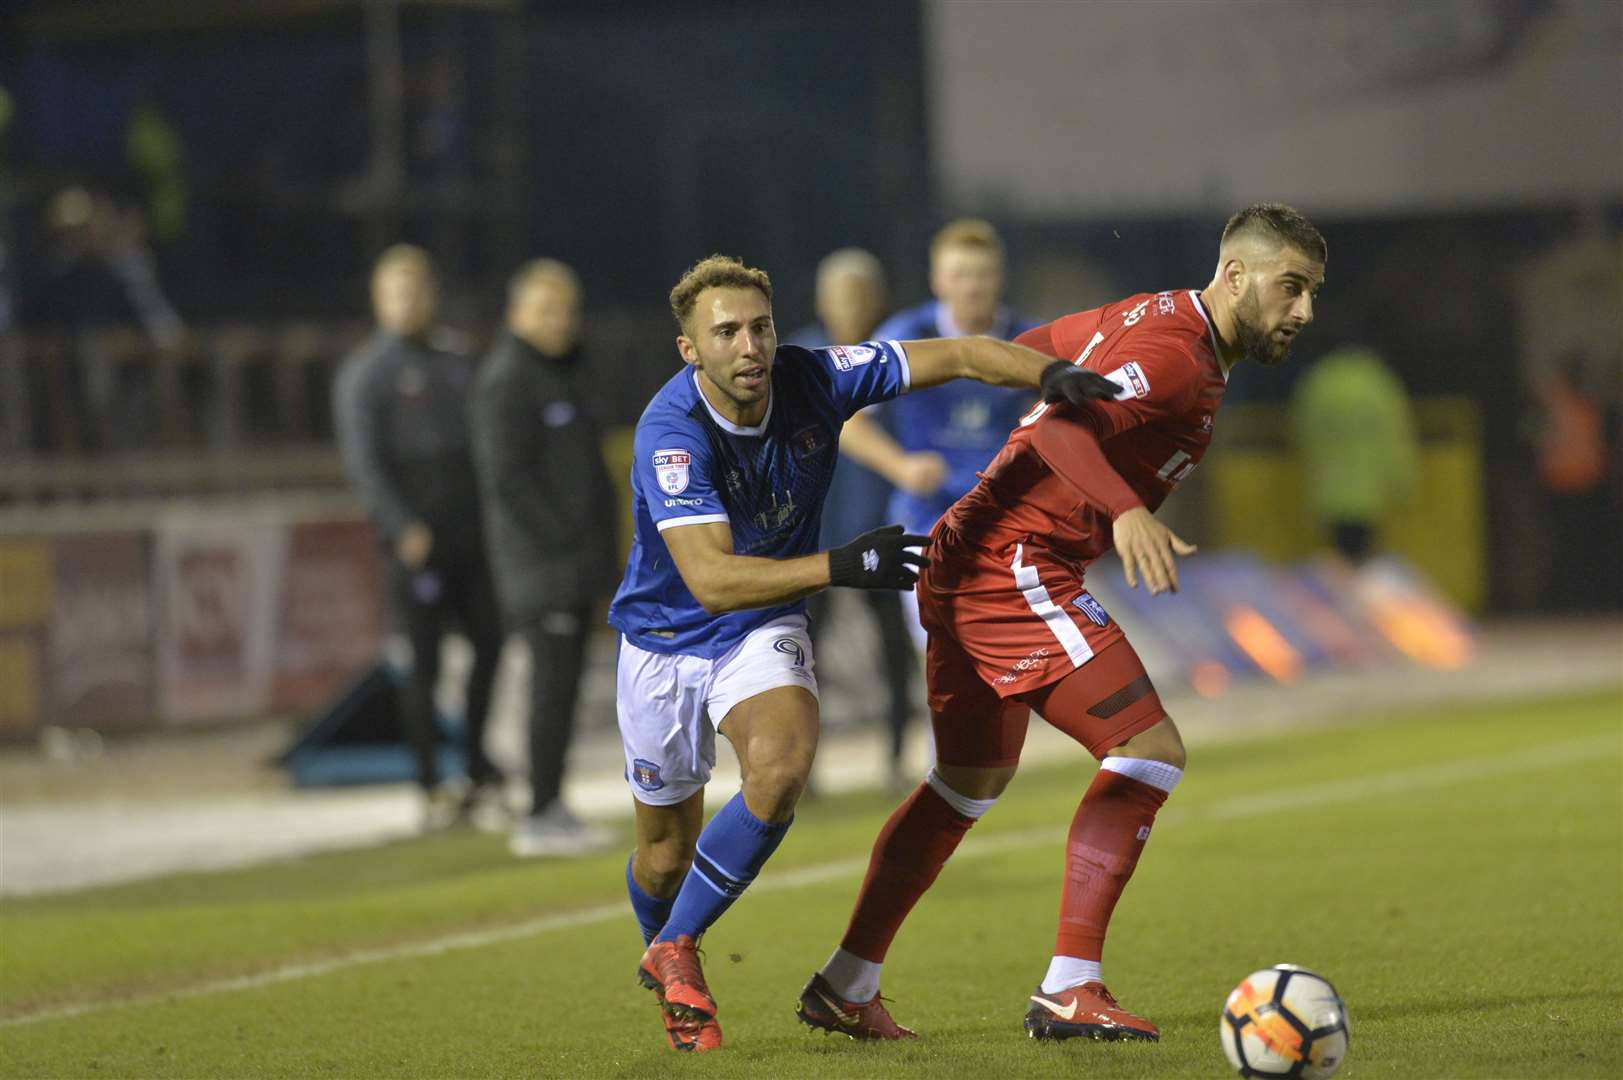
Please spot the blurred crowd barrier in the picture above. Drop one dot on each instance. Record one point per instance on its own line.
(229, 407)
(179, 614)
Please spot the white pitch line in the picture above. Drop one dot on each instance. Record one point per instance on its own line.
(1398, 780)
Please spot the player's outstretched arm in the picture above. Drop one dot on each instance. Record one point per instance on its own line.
(722, 581)
(1002, 363)
(866, 442)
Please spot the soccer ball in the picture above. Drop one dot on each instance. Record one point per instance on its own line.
(1284, 1021)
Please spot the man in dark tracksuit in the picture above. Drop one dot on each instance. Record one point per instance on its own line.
(400, 412)
(552, 519)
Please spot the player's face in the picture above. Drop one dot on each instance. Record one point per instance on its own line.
(969, 280)
(404, 299)
(546, 314)
(731, 340)
(1277, 305)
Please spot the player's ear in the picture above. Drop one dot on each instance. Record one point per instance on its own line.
(684, 346)
(1234, 274)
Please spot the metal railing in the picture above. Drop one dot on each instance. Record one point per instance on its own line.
(231, 407)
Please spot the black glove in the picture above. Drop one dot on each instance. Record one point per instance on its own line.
(1065, 381)
(878, 559)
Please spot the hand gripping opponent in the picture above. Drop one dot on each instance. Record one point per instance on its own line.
(1064, 381)
(878, 559)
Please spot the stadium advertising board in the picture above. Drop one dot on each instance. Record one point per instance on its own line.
(100, 637)
(331, 616)
(25, 598)
(218, 583)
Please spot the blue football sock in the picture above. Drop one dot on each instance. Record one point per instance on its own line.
(651, 910)
(731, 851)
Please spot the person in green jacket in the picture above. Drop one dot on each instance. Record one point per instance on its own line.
(1355, 433)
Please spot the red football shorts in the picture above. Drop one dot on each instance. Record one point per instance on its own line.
(1010, 631)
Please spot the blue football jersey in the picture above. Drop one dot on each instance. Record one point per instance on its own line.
(858, 497)
(768, 482)
(964, 421)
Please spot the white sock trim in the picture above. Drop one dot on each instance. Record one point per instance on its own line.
(970, 808)
(852, 977)
(1065, 972)
(1157, 774)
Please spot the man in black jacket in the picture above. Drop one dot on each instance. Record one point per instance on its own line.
(552, 520)
(400, 411)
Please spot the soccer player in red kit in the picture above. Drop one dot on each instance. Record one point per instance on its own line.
(1012, 628)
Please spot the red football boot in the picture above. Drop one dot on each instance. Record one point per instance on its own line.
(820, 1007)
(671, 969)
(688, 1034)
(1087, 1011)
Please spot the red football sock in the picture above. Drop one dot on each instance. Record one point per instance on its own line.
(910, 851)
(1107, 835)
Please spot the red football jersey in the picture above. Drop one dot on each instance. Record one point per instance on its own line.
(1162, 350)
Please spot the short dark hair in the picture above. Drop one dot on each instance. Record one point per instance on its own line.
(1279, 222)
(717, 271)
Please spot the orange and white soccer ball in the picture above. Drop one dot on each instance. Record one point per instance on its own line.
(1285, 1021)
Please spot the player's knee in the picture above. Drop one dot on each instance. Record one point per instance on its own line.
(1161, 742)
(664, 866)
(775, 785)
(975, 784)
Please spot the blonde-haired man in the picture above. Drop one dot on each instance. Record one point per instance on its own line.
(400, 411)
(732, 461)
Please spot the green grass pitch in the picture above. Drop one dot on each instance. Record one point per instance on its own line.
(1457, 873)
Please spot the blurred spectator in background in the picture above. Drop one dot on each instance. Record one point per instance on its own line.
(851, 299)
(552, 520)
(96, 273)
(930, 444)
(1577, 455)
(156, 151)
(400, 412)
(97, 270)
(1360, 457)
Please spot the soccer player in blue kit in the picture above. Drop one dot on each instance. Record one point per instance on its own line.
(931, 446)
(733, 458)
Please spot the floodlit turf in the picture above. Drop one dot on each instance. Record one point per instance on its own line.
(1458, 874)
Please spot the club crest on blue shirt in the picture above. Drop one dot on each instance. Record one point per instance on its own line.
(646, 774)
(1093, 609)
(808, 440)
(671, 466)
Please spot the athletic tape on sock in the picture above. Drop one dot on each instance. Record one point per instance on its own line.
(969, 808)
(1157, 774)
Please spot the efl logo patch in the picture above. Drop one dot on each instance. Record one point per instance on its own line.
(1092, 609)
(671, 466)
(646, 774)
(847, 357)
(1132, 380)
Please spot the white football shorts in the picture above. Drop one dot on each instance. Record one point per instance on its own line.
(670, 704)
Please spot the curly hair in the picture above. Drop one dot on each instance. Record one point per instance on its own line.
(717, 271)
